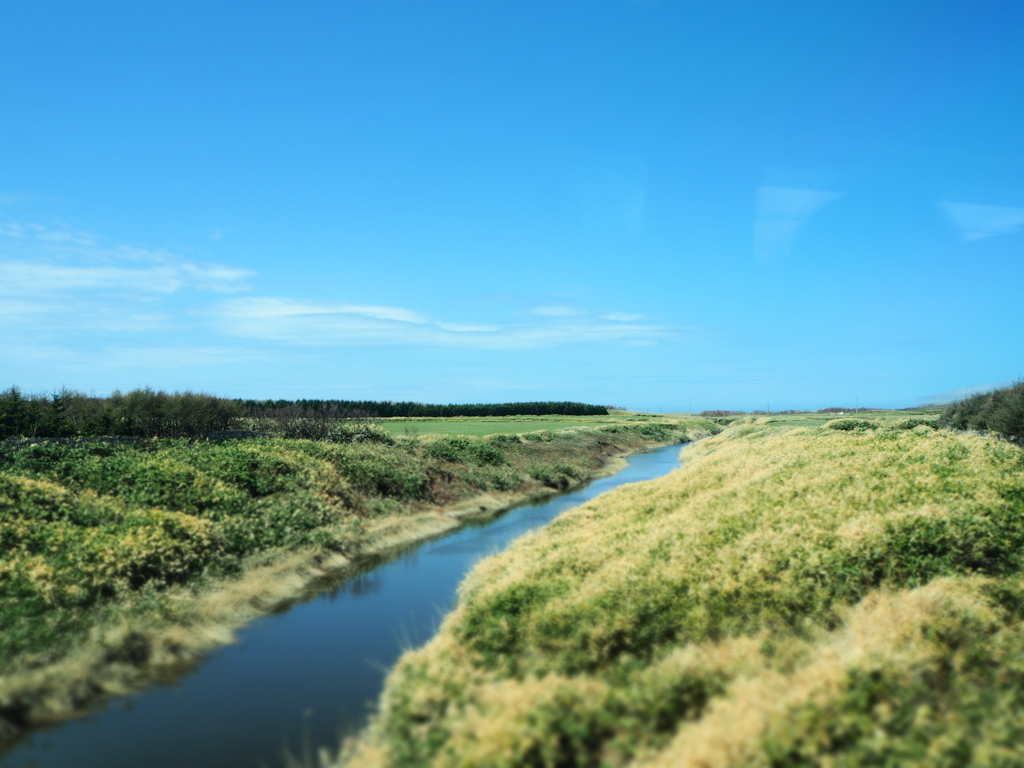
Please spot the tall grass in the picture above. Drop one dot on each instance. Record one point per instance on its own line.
(816, 596)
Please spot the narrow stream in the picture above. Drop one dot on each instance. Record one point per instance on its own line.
(305, 676)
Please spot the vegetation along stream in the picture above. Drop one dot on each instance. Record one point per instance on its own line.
(298, 680)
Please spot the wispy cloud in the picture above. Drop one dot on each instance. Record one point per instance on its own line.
(557, 311)
(781, 213)
(62, 283)
(980, 221)
(274, 309)
(319, 323)
(29, 278)
(39, 261)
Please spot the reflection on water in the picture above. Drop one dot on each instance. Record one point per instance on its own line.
(309, 673)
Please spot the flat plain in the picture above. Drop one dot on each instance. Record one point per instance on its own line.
(505, 425)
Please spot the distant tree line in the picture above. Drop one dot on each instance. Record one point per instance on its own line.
(1000, 411)
(388, 409)
(140, 413)
(149, 413)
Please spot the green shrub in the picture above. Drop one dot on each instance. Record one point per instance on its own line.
(276, 521)
(546, 436)
(72, 549)
(558, 476)
(354, 433)
(849, 425)
(912, 421)
(505, 440)
(464, 450)
(380, 471)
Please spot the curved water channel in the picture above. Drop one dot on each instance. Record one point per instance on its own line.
(303, 677)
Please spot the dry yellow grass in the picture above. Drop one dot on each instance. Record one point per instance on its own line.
(813, 596)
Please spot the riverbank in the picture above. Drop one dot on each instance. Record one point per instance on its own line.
(157, 633)
(849, 593)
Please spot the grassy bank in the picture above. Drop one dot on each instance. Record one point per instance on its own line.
(122, 561)
(847, 593)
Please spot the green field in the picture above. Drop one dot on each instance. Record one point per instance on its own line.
(502, 425)
(804, 591)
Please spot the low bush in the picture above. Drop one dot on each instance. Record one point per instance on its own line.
(464, 450)
(503, 440)
(913, 422)
(848, 425)
(559, 476)
(546, 436)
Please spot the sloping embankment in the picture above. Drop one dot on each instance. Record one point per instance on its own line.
(847, 596)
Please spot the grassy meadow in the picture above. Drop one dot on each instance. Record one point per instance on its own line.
(844, 592)
(124, 557)
(508, 425)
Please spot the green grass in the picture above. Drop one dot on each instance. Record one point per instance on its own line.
(508, 425)
(818, 419)
(849, 594)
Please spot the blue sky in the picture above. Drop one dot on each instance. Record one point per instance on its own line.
(661, 205)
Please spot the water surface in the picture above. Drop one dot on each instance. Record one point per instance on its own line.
(304, 676)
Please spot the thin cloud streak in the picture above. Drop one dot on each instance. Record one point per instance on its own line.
(306, 323)
(562, 311)
(41, 261)
(273, 309)
(976, 222)
(26, 278)
(781, 213)
(58, 283)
